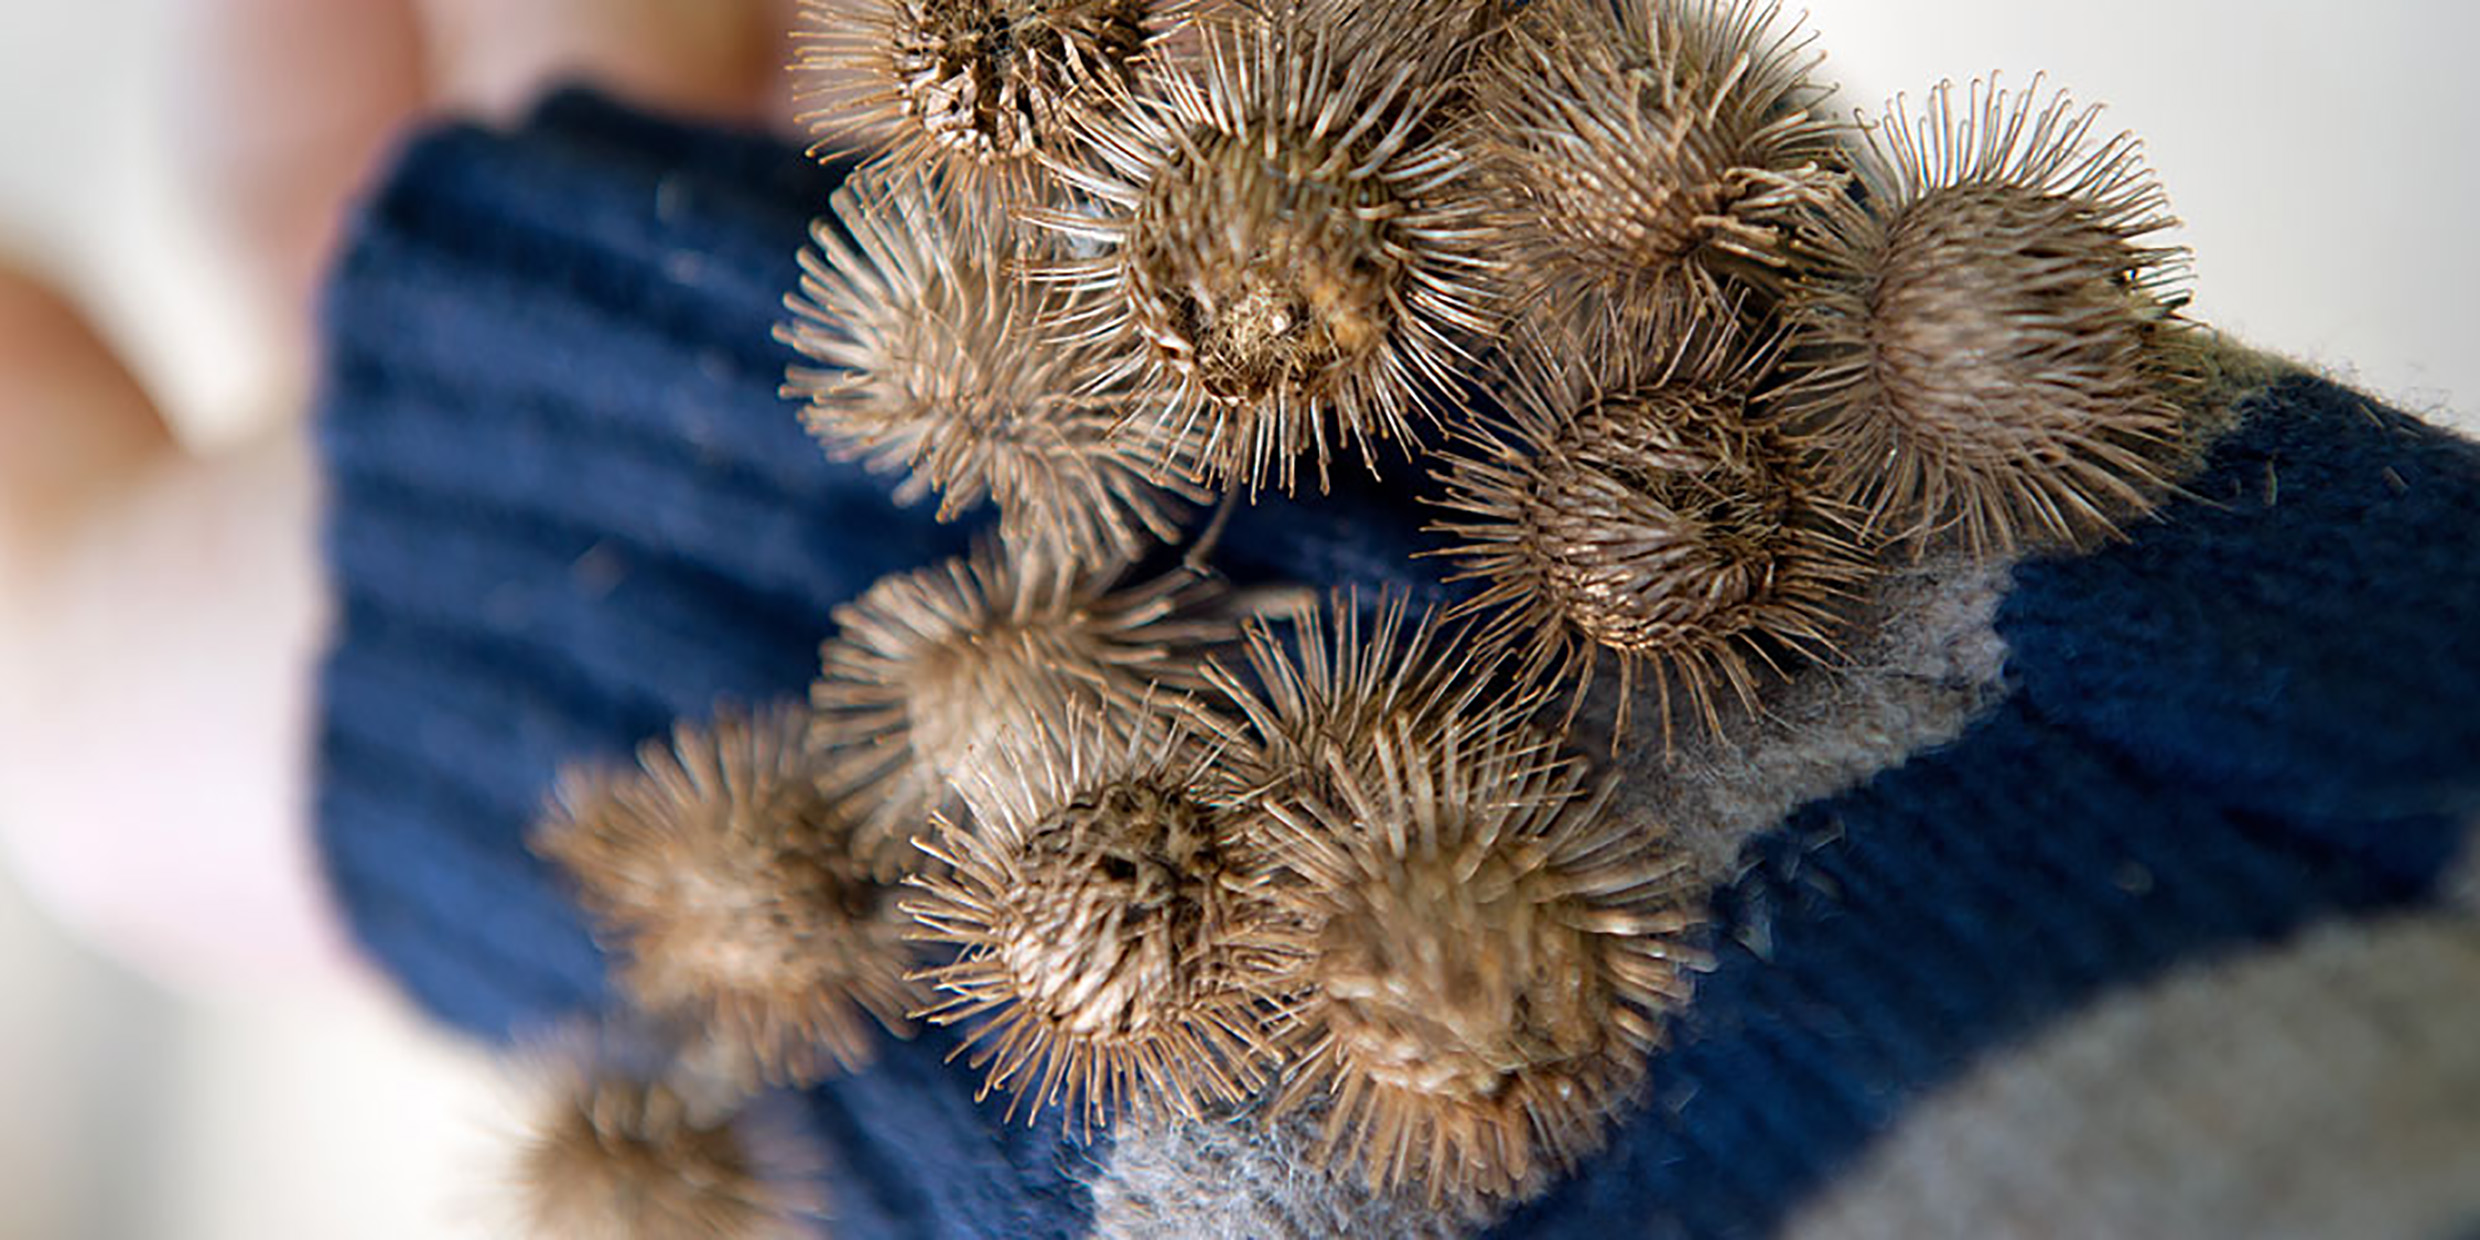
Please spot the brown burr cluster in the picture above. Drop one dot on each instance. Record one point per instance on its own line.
(1486, 952)
(1492, 955)
(621, 1143)
(1989, 327)
(975, 90)
(974, 663)
(1685, 361)
(924, 364)
(1286, 241)
(1113, 923)
(737, 896)
(1655, 156)
(1641, 509)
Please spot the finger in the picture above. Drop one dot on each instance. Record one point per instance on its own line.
(154, 704)
(158, 621)
(286, 107)
(73, 422)
(717, 58)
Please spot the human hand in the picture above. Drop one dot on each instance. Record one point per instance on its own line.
(160, 608)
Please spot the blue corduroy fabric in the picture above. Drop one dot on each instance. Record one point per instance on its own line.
(567, 506)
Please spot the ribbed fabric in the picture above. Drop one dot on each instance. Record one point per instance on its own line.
(567, 505)
(2295, 639)
(2346, 1057)
(1886, 938)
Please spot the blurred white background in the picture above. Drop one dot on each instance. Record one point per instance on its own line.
(2320, 155)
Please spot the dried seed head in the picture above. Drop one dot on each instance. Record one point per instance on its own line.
(1649, 151)
(615, 1155)
(969, 91)
(937, 367)
(1987, 341)
(1649, 517)
(975, 663)
(1493, 955)
(1112, 929)
(1330, 688)
(1283, 245)
(735, 891)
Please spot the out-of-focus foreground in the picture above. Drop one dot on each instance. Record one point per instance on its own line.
(2309, 151)
(137, 1112)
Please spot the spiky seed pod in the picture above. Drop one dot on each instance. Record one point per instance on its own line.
(613, 1155)
(1987, 342)
(1116, 940)
(1284, 245)
(975, 662)
(969, 92)
(1337, 684)
(735, 891)
(1494, 953)
(935, 365)
(1649, 515)
(1648, 154)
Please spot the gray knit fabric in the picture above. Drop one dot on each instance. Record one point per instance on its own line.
(1922, 661)
(2327, 1089)
(2462, 884)
(1237, 1179)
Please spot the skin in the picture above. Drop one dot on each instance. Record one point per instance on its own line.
(160, 602)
